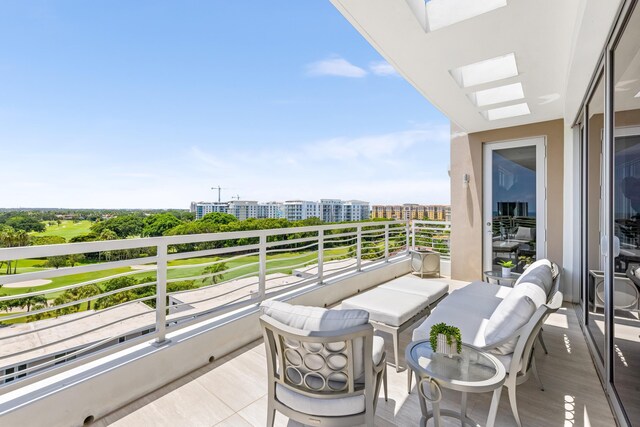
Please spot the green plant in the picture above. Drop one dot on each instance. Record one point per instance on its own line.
(449, 331)
(526, 260)
(507, 264)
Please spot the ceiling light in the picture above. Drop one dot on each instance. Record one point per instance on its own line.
(497, 95)
(436, 14)
(486, 71)
(506, 112)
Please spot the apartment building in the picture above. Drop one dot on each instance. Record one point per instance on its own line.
(296, 210)
(412, 211)
(200, 209)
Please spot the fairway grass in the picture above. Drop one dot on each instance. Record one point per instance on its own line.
(67, 229)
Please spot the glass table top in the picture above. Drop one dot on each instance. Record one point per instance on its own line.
(498, 275)
(471, 366)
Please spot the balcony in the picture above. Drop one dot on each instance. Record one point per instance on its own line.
(169, 335)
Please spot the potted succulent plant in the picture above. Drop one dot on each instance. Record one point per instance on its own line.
(506, 267)
(445, 339)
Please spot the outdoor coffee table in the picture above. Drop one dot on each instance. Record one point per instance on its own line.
(473, 371)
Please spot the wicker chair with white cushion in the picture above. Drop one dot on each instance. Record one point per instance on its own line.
(325, 367)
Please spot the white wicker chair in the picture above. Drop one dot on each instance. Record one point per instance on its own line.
(328, 378)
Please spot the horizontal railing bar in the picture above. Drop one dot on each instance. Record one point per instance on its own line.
(292, 241)
(41, 251)
(73, 286)
(88, 331)
(83, 359)
(177, 323)
(218, 273)
(212, 252)
(296, 249)
(291, 267)
(72, 303)
(251, 274)
(68, 271)
(306, 254)
(239, 288)
(95, 313)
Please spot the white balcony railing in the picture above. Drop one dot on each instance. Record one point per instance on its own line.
(137, 290)
(434, 235)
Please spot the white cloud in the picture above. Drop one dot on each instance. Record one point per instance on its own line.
(339, 67)
(382, 68)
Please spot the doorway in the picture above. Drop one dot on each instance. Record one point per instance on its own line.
(514, 193)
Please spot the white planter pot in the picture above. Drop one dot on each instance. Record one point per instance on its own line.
(444, 348)
(506, 272)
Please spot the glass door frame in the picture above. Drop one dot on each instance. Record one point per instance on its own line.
(540, 142)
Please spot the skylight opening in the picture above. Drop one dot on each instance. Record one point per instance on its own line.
(442, 13)
(507, 112)
(490, 70)
(496, 95)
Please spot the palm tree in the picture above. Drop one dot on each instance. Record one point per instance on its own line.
(88, 291)
(215, 269)
(10, 238)
(31, 300)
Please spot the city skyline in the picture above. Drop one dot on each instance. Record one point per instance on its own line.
(96, 118)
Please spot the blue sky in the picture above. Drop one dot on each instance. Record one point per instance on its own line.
(149, 104)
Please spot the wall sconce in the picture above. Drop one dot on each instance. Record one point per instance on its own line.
(465, 180)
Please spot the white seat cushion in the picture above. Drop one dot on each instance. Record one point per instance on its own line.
(469, 309)
(388, 306)
(309, 318)
(431, 289)
(512, 313)
(321, 407)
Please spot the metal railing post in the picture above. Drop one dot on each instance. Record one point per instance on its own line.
(320, 255)
(413, 235)
(262, 269)
(386, 242)
(408, 233)
(161, 294)
(358, 247)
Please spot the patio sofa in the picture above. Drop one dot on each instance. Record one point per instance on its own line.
(502, 320)
(398, 304)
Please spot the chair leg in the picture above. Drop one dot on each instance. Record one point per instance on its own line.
(534, 368)
(544, 347)
(384, 383)
(271, 415)
(395, 349)
(409, 377)
(514, 404)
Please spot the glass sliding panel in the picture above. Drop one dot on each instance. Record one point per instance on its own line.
(595, 218)
(514, 206)
(626, 215)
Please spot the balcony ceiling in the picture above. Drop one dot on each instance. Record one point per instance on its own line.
(539, 33)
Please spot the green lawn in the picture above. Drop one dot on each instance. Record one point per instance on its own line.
(67, 229)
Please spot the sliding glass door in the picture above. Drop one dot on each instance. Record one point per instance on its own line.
(611, 218)
(625, 346)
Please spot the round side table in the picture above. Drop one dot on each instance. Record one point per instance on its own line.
(472, 371)
(495, 276)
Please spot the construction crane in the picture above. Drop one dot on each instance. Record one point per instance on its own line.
(219, 191)
(237, 197)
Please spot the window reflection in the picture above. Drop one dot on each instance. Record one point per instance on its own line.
(626, 216)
